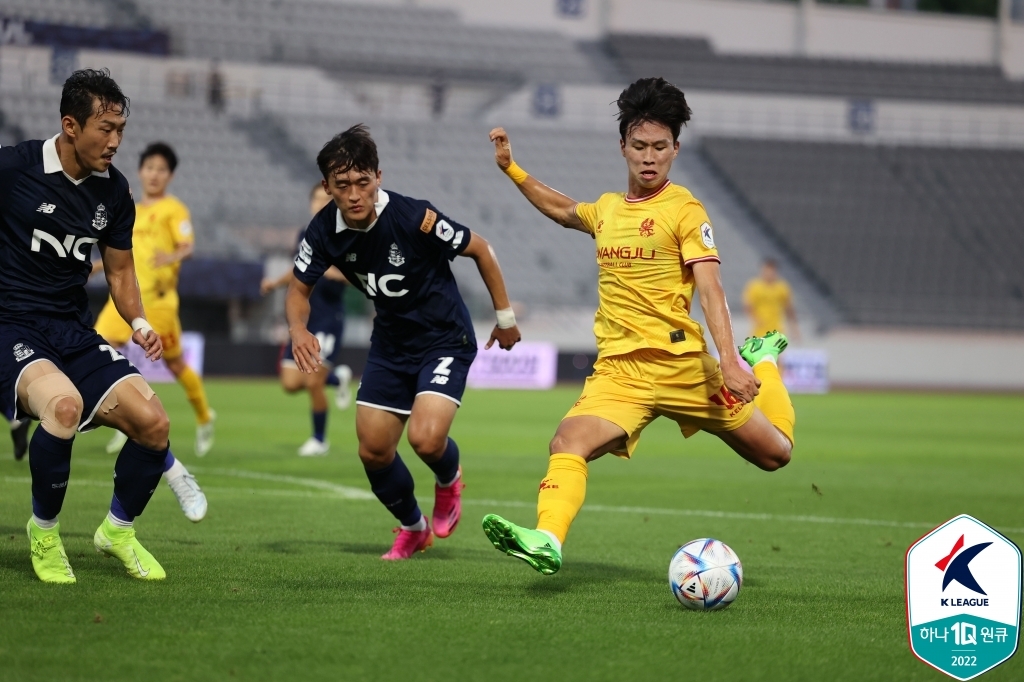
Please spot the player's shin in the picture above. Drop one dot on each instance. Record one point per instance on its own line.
(773, 398)
(446, 469)
(195, 393)
(50, 462)
(561, 494)
(136, 474)
(393, 485)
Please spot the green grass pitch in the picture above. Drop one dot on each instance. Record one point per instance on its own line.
(282, 581)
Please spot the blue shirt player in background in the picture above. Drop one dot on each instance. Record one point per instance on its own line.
(58, 198)
(327, 324)
(397, 251)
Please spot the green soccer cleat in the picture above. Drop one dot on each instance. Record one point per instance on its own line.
(49, 559)
(121, 544)
(757, 348)
(532, 546)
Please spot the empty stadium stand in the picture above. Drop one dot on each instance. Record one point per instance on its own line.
(906, 236)
(692, 63)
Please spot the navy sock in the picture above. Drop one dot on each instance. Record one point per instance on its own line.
(393, 486)
(49, 459)
(118, 512)
(168, 460)
(320, 425)
(447, 468)
(332, 379)
(137, 473)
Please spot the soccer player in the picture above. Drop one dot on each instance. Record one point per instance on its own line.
(654, 246)
(162, 239)
(327, 324)
(396, 250)
(58, 197)
(768, 302)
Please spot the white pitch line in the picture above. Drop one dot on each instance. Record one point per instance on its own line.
(336, 491)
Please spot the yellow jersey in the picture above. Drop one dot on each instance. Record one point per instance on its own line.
(767, 303)
(160, 227)
(645, 248)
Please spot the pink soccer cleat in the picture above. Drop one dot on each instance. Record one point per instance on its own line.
(447, 507)
(408, 543)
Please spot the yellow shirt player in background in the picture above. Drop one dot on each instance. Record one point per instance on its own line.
(655, 246)
(161, 240)
(768, 302)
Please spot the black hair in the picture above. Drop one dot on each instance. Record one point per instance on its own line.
(352, 149)
(653, 100)
(86, 85)
(159, 149)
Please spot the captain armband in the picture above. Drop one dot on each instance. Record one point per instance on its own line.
(506, 318)
(517, 174)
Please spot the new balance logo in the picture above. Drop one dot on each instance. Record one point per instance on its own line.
(69, 246)
(46, 208)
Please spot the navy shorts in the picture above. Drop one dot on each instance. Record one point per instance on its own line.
(395, 391)
(328, 330)
(78, 351)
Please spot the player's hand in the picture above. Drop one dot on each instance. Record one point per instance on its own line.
(162, 258)
(266, 286)
(306, 350)
(502, 148)
(506, 338)
(742, 384)
(150, 343)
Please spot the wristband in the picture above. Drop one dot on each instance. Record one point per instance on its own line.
(506, 318)
(139, 324)
(517, 174)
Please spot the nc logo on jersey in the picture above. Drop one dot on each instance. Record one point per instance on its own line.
(963, 597)
(21, 352)
(70, 245)
(395, 256)
(99, 221)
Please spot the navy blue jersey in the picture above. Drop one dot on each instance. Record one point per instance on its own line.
(328, 297)
(402, 264)
(48, 224)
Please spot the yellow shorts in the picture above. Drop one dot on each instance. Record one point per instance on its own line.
(632, 390)
(164, 319)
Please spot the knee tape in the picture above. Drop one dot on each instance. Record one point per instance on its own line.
(44, 394)
(110, 400)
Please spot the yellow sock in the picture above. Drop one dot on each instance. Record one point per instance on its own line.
(561, 494)
(774, 400)
(195, 393)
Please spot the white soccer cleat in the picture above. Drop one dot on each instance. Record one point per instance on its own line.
(204, 436)
(314, 448)
(343, 394)
(116, 443)
(190, 496)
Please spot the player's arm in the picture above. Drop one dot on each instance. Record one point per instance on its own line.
(305, 347)
(548, 201)
(119, 267)
(182, 251)
(505, 332)
(708, 277)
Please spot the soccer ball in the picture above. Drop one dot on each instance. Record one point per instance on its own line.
(705, 574)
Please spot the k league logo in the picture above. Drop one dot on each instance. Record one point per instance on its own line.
(963, 598)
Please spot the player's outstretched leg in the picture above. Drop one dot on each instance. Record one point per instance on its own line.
(762, 354)
(49, 395)
(134, 409)
(448, 485)
(537, 548)
(185, 487)
(429, 424)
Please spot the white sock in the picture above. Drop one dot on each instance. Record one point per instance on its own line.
(177, 470)
(118, 522)
(419, 525)
(449, 484)
(555, 540)
(45, 525)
